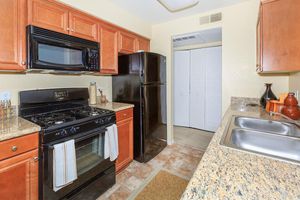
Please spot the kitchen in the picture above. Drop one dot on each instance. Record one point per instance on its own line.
(222, 172)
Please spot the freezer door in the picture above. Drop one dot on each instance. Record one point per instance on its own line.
(154, 119)
(153, 68)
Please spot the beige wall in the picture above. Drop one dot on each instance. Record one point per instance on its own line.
(239, 41)
(18, 82)
(109, 11)
(294, 83)
(101, 8)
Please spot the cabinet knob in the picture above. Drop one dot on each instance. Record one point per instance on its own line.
(23, 62)
(124, 114)
(35, 159)
(14, 148)
(68, 29)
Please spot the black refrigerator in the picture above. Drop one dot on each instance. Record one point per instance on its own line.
(142, 81)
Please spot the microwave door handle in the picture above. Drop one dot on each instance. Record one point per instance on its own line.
(87, 57)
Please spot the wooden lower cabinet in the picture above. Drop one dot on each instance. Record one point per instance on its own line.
(19, 173)
(19, 177)
(125, 138)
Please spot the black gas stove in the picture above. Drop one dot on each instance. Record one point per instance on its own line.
(53, 119)
(64, 114)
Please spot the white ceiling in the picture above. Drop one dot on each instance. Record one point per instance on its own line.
(153, 12)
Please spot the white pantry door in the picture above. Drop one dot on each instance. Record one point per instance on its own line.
(197, 88)
(181, 88)
(206, 88)
(213, 91)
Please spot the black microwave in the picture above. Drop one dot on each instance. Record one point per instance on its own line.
(49, 50)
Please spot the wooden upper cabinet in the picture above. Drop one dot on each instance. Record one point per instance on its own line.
(83, 26)
(13, 35)
(48, 15)
(19, 177)
(108, 49)
(126, 42)
(279, 36)
(142, 44)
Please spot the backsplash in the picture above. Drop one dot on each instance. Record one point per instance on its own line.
(294, 84)
(14, 83)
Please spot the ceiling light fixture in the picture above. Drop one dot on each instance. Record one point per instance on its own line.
(178, 5)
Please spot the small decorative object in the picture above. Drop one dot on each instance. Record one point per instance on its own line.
(93, 93)
(268, 95)
(102, 97)
(291, 108)
(7, 111)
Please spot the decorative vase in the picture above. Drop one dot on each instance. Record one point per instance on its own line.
(268, 95)
(291, 108)
(291, 100)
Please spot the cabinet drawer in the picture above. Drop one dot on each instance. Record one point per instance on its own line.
(124, 114)
(12, 147)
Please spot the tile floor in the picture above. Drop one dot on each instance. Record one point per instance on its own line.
(178, 159)
(192, 137)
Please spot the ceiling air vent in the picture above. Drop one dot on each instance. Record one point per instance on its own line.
(184, 38)
(216, 17)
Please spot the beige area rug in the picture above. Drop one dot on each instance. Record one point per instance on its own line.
(163, 186)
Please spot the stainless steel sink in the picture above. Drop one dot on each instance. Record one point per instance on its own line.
(273, 138)
(262, 125)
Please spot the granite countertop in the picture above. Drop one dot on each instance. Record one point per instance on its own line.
(226, 173)
(114, 106)
(16, 127)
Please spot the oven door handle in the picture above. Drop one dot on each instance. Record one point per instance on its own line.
(78, 139)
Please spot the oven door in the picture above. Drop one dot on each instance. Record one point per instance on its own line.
(90, 165)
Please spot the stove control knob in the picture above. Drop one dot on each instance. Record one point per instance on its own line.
(64, 132)
(73, 130)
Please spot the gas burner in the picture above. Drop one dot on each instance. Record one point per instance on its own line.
(58, 122)
(94, 113)
(47, 120)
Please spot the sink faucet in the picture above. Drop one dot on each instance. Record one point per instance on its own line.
(289, 120)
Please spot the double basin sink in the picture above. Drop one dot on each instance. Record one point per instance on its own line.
(271, 138)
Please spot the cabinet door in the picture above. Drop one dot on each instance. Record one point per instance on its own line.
(108, 50)
(13, 35)
(48, 15)
(125, 139)
(126, 42)
(19, 177)
(142, 44)
(281, 35)
(83, 26)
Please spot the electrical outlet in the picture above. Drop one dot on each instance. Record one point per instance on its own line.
(5, 95)
(297, 95)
